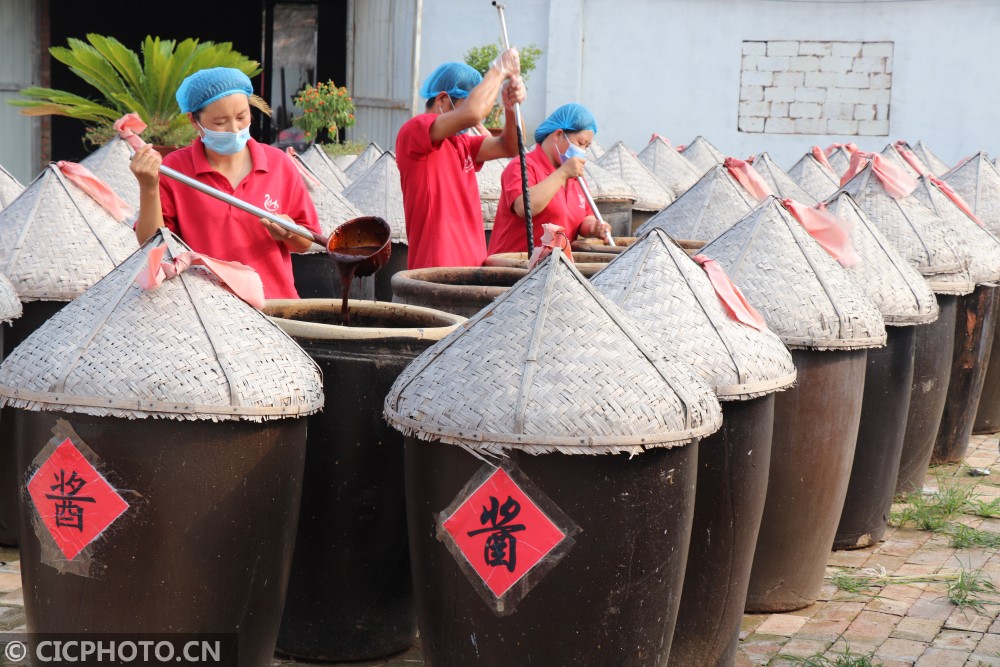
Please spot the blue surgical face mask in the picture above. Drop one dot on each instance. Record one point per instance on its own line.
(572, 150)
(225, 143)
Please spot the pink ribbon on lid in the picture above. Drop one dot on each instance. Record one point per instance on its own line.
(730, 295)
(895, 181)
(553, 236)
(129, 127)
(98, 190)
(830, 231)
(303, 172)
(657, 136)
(850, 148)
(903, 149)
(820, 156)
(748, 177)
(238, 278)
(955, 197)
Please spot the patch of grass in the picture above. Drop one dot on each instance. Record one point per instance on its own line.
(933, 512)
(964, 537)
(963, 591)
(845, 659)
(989, 510)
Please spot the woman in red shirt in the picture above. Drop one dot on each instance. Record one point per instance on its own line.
(218, 101)
(555, 194)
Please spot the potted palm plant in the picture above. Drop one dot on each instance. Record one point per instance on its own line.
(130, 83)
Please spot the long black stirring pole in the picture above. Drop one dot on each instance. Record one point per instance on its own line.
(520, 144)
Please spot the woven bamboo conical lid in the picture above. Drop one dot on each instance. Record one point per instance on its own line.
(110, 163)
(365, 159)
(650, 194)
(606, 186)
(805, 296)
(56, 241)
(594, 151)
(488, 178)
(708, 208)
(377, 192)
(917, 233)
(10, 305)
(666, 292)
(983, 247)
(552, 366)
(10, 188)
(897, 288)
(814, 177)
(702, 154)
(782, 185)
(187, 350)
(936, 165)
(977, 181)
(840, 160)
(892, 154)
(332, 208)
(672, 169)
(320, 165)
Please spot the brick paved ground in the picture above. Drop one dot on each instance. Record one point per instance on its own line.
(905, 624)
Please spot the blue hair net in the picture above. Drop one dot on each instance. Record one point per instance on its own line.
(456, 79)
(568, 118)
(208, 85)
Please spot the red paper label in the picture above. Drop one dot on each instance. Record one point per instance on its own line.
(74, 501)
(502, 532)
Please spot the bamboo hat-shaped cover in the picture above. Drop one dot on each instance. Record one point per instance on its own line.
(552, 366)
(983, 246)
(368, 157)
(10, 188)
(918, 233)
(594, 151)
(10, 305)
(782, 185)
(977, 181)
(650, 194)
(672, 297)
(702, 154)
(189, 349)
(110, 163)
(840, 160)
(56, 241)
(323, 167)
(814, 176)
(936, 165)
(332, 208)
(377, 192)
(488, 178)
(805, 296)
(709, 207)
(892, 154)
(672, 169)
(606, 186)
(897, 288)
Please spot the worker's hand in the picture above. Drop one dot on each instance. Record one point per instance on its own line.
(277, 232)
(145, 166)
(572, 167)
(601, 230)
(508, 63)
(513, 92)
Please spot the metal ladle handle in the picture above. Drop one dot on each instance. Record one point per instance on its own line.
(593, 207)
(135, 142)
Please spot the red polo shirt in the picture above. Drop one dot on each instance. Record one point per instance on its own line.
(214, 228)
(444, 217)
(567, 208)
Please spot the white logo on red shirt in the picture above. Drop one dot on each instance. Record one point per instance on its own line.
(582, 202)
(271, 205)
(468, 163)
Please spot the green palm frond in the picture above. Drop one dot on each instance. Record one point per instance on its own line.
(129, 83)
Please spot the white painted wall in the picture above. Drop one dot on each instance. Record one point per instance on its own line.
(673, 66)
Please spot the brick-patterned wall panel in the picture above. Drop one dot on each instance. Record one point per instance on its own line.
(809, 87)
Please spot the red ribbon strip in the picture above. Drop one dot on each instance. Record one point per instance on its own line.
(850, 148)
(895, 181)
(748, 177)
(830, 231)
(821, 158)
(955, 197)
(657, 136)
(903, 149)
(238, 278)
(730, 295)
(98, 190)
(129, 127)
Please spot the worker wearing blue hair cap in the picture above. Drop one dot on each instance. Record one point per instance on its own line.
(438, 160)
(224, 156)
(553, 189)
